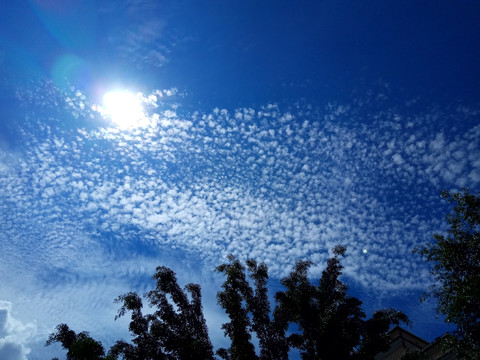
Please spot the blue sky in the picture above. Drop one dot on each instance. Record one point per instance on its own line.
(273, 130)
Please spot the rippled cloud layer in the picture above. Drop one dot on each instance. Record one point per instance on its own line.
(84, 204)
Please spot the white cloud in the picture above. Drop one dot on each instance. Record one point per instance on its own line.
(265, 183)
(14, 335)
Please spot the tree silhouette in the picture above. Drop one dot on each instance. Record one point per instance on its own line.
(79, 346)
(249, 311)
(236, 292)
(175, 331)
(322, 321)
(456, 269)
(331, 323)
(270, 333)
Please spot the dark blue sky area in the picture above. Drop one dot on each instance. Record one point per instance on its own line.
(238, 53)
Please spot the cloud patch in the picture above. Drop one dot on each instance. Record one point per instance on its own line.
(14, 335)
(270, 183)
(86, 206)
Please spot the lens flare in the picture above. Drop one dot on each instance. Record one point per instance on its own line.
(124, 108)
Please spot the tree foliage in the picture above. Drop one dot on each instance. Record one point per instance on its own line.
(455, 259)
(322, 321)
(249, 311)
(79, 346)
(331, 323)
(176, 330)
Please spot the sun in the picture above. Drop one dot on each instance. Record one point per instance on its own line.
(124, 108)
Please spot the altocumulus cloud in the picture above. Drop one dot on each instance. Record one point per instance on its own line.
(270, 183)
(85, 206)
(14, 335)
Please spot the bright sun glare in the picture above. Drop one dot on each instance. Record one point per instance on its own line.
(124, 108)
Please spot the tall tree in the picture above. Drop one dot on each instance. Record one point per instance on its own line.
(234, 297)
(176, 330)
(249, 311)
(270, 332)
(456, 269)
(331, 323)
(79, 346)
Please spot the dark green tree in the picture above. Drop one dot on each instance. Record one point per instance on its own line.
(455, 259)
(270, 332)
(236, 293)
(79, 346)
(176, 330)
(331, 324)
(249, 311)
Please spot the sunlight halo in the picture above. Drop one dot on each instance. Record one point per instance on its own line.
(124, 108)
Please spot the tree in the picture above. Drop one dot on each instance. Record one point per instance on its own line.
(175, 331)
(249, 311)
(79, 346)
(236, 291)
(456, 269)
(270, 332)
(331, 323)
(327, 322)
